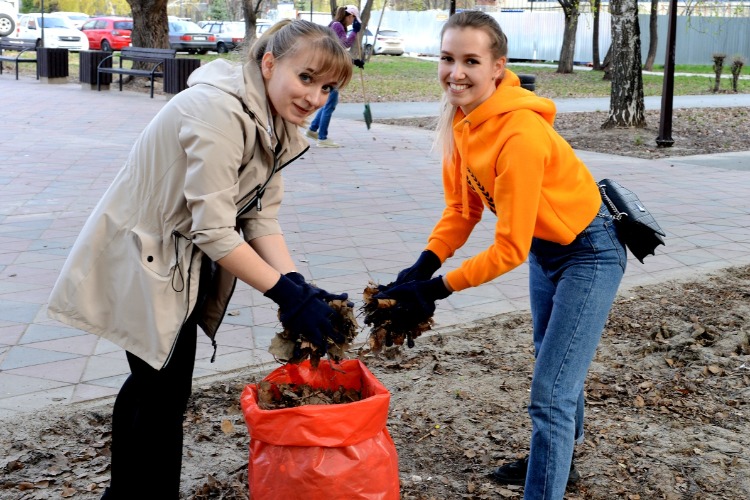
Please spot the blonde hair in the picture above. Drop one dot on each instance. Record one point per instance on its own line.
(289, 36)
(498, 47)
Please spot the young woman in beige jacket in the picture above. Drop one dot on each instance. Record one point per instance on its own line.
(194, 208)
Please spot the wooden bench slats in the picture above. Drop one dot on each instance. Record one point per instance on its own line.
(137, 54)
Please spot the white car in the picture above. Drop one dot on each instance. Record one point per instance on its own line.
(77, 18)
(59, 32)
(7, 18)
(387, 42)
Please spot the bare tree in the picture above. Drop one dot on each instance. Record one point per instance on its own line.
(250, 11)
(626, 105)
(150, 28)
(596, 5)
(567, 52)
(332, 7)
(653, 36)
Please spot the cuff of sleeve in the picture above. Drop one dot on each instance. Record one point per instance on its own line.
(440, 249)
(218, 249)
(457, 280)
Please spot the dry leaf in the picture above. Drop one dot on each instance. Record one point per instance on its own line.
(227, 427)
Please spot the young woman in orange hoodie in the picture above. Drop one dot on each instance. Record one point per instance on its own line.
(501, 153)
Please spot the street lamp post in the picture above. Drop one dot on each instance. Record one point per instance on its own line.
(41, 8)
(665, 119)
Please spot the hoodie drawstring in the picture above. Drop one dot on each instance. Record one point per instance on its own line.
(461, 170)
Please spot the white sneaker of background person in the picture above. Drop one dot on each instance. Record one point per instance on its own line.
(327, 143)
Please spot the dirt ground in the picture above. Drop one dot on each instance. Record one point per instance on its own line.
(667, 413)
(694, 132)
(667, 395)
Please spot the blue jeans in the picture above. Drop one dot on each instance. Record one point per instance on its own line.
(323, 116)
(572, 288)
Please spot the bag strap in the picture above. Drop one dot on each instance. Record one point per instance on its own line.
(616, 214)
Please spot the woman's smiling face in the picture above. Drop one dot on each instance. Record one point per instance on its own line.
(294, 88)
(467, 70)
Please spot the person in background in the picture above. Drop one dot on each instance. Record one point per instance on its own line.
(501, 153)
(183, 219)
(345, 17)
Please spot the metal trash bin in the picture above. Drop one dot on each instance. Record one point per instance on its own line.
(89, 62)
(53, 65)
(176, 73)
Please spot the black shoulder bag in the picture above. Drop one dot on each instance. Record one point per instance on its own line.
(635, 224)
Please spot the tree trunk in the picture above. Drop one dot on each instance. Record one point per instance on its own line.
(597, 6)
(626, 105)
(150, 28)
(607, 65)
(364, 14)
(567, 52)
(249, 13)
(653, 37)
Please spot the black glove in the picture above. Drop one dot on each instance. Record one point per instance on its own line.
(359, 63)
(415, 300)
(298, 279)
(301, 311)
(421, 270)
(356, 25)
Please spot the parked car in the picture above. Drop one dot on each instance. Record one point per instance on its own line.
(59, 32)
(186, 36)
(261, 25)
(77, 18)
(229, 34)
(388, 42)
(108, 33)
(7, 18)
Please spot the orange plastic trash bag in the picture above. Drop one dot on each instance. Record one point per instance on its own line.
(337, 451)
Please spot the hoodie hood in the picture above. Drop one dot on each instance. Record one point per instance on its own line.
(508, 97)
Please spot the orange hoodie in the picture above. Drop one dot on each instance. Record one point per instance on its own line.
(508, 157)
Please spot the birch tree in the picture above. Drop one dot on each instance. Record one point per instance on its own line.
(626, 105)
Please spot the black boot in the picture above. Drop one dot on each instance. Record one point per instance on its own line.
(515, 472)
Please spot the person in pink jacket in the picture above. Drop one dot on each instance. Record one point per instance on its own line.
(345, 17)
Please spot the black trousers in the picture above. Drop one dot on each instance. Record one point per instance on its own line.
(147, 424)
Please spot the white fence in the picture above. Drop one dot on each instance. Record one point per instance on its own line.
(535, 35)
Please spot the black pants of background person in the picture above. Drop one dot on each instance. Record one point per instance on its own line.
(147, 424)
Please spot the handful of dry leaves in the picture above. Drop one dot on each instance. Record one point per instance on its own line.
(272, 396)
(388, 326)
(291, 347)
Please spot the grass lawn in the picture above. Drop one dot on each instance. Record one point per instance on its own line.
(389, 78)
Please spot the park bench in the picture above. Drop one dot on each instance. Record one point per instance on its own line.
(153, 58)
(20, 47)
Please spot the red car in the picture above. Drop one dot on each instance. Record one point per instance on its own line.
(108, 33)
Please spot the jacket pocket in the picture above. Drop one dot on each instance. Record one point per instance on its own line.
(162, 256)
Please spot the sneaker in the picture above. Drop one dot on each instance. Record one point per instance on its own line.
(312, 134)
(327, 143)
(515, 472)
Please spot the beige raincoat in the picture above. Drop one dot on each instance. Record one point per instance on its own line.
(132, 274)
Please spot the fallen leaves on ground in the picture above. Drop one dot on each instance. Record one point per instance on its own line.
(667, 410)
